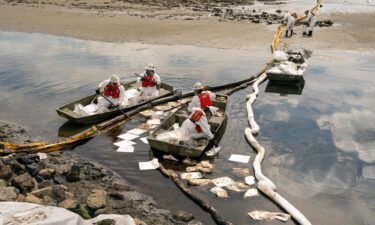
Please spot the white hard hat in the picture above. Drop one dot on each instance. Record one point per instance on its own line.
(150, 66)
(198, 86)
(115, 79)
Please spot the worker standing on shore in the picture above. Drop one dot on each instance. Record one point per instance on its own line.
(310, 23)
(289, 20)
(203, 98)
(113, 91)
(149, 82)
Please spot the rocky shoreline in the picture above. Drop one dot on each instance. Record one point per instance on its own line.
(69, 181)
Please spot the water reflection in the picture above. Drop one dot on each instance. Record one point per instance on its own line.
(286, 88)
(320, 145)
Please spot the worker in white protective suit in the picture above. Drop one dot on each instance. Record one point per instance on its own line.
(289, 20)
(149, 82)
(194, 127)
(310, 23)
(203, 98)
(113, 91)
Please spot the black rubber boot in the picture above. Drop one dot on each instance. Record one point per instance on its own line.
(286, 33)
(310, 33)
(304, 33)
(291, 33)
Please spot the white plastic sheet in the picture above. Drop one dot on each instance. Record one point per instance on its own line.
(150, 165)
(137, 131)
(269, 216)
(239, 158)
(153, 122)
(124, 143)
(280, 56)
(126, 148)
(42, 155)
(144, 140)
(23, 213)
(128, 136)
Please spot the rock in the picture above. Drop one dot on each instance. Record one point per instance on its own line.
(20, 198)
(100, 211)
(44, 184)
(70, 204)
(63, 169)
(97, 199)
(59, 179)
(47, 173)
(40, 193)
(16, 167)
(58, 192)
(183, 216)
(84, 212)
(116, 195)
(3, 183)
(33, 199)
(48, 200)
(73, 174)
(33, 169)
(28, 159)
(23, 182)
(8, 193)
(5, 172)
(256, 21)
(106, 222)
(278, 11)
(139, 222)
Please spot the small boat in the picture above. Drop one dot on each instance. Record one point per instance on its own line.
(67, 112)
(291, 70)
(218, 125)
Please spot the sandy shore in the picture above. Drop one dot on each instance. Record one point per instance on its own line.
(350, 32)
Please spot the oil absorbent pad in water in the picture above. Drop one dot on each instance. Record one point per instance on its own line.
(150, 165)
(239, 158)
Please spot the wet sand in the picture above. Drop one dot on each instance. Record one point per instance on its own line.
(350, 32)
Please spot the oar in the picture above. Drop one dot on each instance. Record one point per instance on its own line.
(117, 107)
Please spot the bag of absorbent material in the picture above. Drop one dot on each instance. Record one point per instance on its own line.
(280, 56)
(288, 68)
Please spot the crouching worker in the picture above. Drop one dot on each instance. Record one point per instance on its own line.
(113, 92)
(194, 127)
(289, 20)
(149, 82)
(203, 98)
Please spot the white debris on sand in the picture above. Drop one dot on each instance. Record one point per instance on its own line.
(191, 175)
(137, 131)
(222, 181)
(150, 165)
(239, 158)
(251, 193)
(128, 136)
(199, 182)
(219, 192)
(269, 216)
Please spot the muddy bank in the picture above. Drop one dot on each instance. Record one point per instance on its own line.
(181, 25)
(66, 180)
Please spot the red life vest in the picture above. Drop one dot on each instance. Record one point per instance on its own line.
(205, 100)
(112, 90)
(195, 118)
(148, 81)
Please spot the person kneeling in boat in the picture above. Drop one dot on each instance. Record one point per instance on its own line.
(113, 91)
(149, 82)
(194, 127)
(203, 97)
